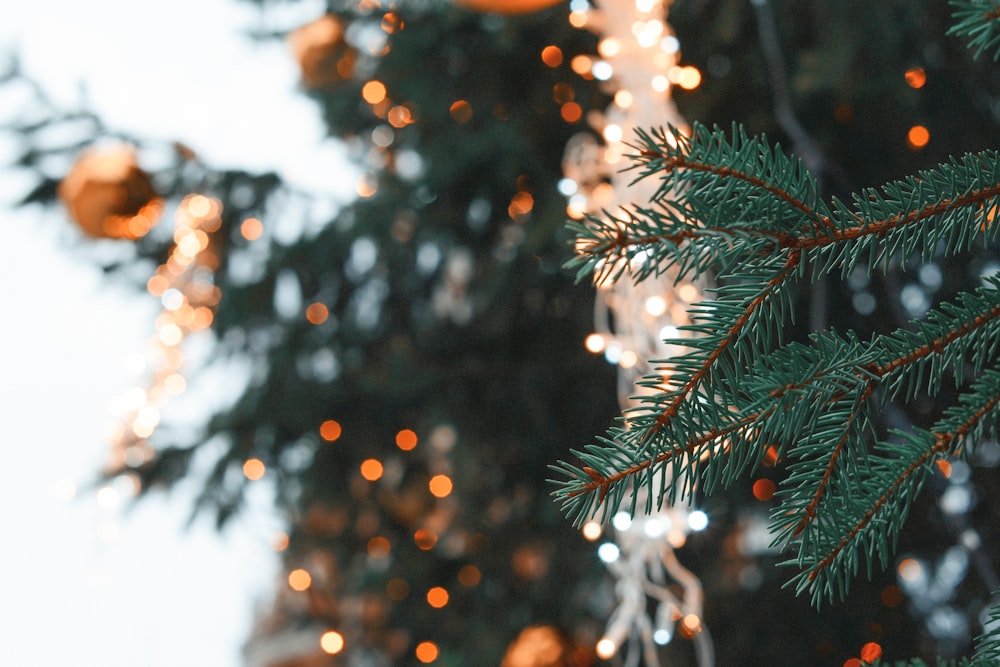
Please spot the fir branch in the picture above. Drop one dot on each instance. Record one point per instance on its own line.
(980, 21)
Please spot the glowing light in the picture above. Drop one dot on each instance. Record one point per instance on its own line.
(252, 229)
(688, 292)
(379, 547)
(371, 469)
(608, 552)
(552, 56)
(628, 359)
(406, 439)
(171, 334)
(425, 539)
(909, 569)
(689, 78)
(427, 652)
(571, 112)
(199, 206)
(440, 486)
(592, 531)
(602, 70)
(917, 137)
(871, 652)
(317, 313)
(330, 430)
(656, 305)
(623, 99)
(331, 642)
(469, 576)
(606, 648)
(594, 343)
(676, 538)
(400, 116)
(915, 77)
(581, 64)
(279, 541)
(578, 19)
(520, 205)
(461, 111)
(660, 83)
(253, 469)
(609, 47)
(763, 489)
(697, 521)
(622, 521)
(366, 186)
(107, 498)
(299, 580)
(437, 597)
(691, 625)
(852, 662)
(612, 133)
(392, 23)
(374, 92)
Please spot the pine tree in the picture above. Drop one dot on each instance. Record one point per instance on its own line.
(440, 308)
(731, 204)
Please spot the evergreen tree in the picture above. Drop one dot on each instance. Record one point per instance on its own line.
(440, 311)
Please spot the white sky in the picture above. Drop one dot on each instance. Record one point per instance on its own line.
(81, 584)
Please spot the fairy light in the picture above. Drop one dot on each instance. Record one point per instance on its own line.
(640, 56)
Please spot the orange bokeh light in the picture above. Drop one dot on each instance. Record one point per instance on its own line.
(332, 642)
(425, 538)
(379, 547)
(461, 111)
(427, 652)
(330, 430)
(917, 137)
(406, 439)
(552, 56)
(437, 597)
(371, 469)
(763, 489)
(317, 313)
(871, 652)
(253, 469)
(915, 77)
(571, 112)
(852, 662)
(440, 486)
(252, 229)
(374, 92)
(299, 580)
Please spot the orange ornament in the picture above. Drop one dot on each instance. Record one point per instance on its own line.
(509, 7)
(109, 196)
(324, 56)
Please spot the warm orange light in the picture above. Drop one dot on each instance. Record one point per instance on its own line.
(770, 456)
(582, 65)
(909, 569)
(406, 439)
(253, 469)
(279, 541)
(202, 319)
(425, 538)
(571, 112)
(552, 56)
(299, 580)
(461, 111)
(371, 469)
(690, 625)
(917, 137)
(469, 576)
(427, 652)
(852, 662)
(373, 92)
(157, 285)
(507, 6)
(871, 652)
(763, 489)
(440, 486)
(332, 642)
(915, 77)
(317, 313)
(689, 78)
(591, 531)
(605, 648)
(520, 205)
(437, 597)
(397, 589)
(379, 547)
(399, 116)
(252, 229)
(330, 430)
(392, 23)
(944, 467)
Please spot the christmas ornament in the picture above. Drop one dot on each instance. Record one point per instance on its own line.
(324, 56)
(109, 196)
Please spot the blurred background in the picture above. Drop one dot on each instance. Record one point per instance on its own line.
(289, 348)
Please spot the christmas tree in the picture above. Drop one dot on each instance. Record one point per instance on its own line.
(417, 361)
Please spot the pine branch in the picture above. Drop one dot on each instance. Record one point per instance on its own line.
(980, 21)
